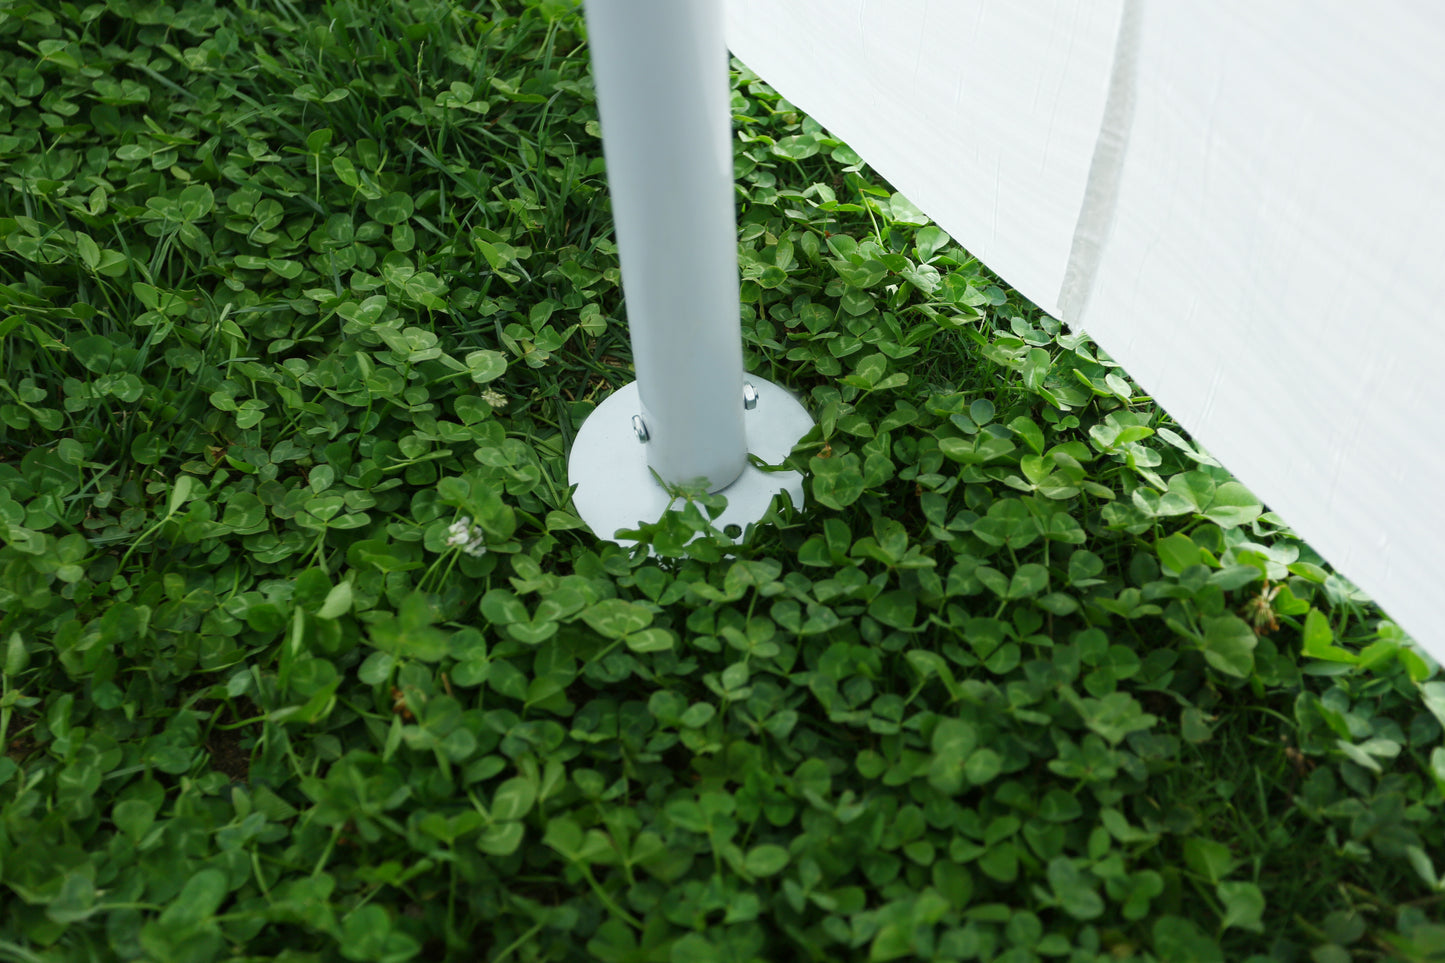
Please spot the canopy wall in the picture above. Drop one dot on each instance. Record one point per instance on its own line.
(1243, 203)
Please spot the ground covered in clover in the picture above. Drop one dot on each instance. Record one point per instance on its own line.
(306, 656)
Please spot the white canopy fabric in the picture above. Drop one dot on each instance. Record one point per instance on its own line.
(1242, 202)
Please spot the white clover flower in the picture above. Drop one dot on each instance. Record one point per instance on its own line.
(466, 536)
(460, 531)
(494, 398)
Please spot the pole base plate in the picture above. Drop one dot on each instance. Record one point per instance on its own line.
(615, 489)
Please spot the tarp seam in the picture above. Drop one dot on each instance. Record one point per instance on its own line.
(1106, 170)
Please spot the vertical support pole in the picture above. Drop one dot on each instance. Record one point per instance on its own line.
(661, 74)
(660, 68)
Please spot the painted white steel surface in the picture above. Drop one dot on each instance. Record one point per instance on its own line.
(660, 68)
(1243, 202)
(615, 490)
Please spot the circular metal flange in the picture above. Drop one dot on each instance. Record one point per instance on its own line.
(615, 489)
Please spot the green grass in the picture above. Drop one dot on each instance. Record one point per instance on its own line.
(287, 290)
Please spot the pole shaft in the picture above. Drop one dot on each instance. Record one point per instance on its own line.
(660, 68)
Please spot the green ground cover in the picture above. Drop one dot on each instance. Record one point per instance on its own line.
(288, 291)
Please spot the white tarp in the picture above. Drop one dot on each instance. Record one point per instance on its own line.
(1242, 202)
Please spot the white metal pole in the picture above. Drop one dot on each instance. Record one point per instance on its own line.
(660, 68)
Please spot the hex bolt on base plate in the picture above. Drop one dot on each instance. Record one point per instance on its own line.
(615, 490)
